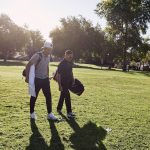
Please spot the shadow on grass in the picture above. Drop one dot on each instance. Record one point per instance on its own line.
(78, 66)
(12, 63)
(107, 69)
(89, 137)
(22, 63)
(37, 141)
(146, 73)
(87, 67)
(55, 142)
(134, 72)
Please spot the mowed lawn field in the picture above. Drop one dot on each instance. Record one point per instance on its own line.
(113, 113)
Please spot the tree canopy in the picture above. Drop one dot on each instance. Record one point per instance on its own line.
(127, 19)
(78, 34)
(14, 38)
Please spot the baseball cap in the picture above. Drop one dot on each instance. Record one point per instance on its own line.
(68, 52)
(47, 45)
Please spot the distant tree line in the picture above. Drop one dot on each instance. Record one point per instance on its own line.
(120, 42)
(15, 39)
(126, 20)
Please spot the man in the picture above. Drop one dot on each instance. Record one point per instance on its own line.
(65, 81)
(41, 79)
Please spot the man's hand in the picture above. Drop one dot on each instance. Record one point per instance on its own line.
(60, 88)
(73, 81)
(27, 80)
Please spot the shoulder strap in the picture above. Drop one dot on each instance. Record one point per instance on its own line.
(40, 57)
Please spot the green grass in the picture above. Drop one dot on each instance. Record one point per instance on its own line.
(112, 99)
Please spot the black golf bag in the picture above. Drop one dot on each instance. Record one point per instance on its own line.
(77, 88)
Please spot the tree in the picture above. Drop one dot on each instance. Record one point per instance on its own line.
(68, 36)
(35, 42)
(128, 18)
(142, 52)
(12, 37)
(148, 57)
(79, 35)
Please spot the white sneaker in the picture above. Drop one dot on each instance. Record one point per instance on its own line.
(71, 115)
(33, 116)
(51, 116)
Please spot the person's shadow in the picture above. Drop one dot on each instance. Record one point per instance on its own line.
(37, 141)
(55, 142)
(89, 137)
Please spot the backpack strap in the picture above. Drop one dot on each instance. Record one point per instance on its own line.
(40, 58)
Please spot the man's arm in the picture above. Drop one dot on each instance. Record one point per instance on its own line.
(48, 70)
(59, 82)
(73, 79)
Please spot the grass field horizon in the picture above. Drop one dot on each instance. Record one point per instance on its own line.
(113, 113)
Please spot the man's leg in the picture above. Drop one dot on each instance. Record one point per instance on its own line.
(47, 94)
(67, 100)
(33, 99)
(61, 101)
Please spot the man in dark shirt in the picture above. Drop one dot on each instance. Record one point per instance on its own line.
(65, 81)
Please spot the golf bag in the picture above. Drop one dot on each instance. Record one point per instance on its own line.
(77, 88)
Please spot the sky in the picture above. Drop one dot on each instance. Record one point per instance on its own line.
(45, 15)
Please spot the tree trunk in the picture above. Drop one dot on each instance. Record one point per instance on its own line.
(125, 48)
(124, 59)
(102, 62)
(6, 56)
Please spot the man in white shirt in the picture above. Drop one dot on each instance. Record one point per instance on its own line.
(41, 61)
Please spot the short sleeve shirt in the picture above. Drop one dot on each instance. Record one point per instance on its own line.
(41, 70)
